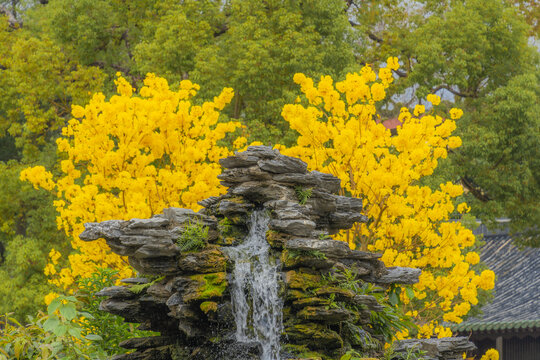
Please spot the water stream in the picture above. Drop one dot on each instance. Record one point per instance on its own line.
(254, 290)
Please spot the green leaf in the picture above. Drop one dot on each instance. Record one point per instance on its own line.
(410, 293)
(51, 323)
(75, 332)
(393, 298)
(54, 305)
(68, 311)
(86, 315)
(93, 337)
(60, 330)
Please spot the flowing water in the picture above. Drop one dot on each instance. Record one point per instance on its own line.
(254, 290)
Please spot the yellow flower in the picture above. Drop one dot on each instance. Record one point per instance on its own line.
(77, 111)
(456, 113)
(377, 92)
(434, 99)
(463, 208)
(491, 354)
(50, 297)
(419, 109)
(392, 63)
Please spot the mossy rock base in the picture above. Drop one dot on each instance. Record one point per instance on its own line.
(205, 286)
(313, 335)
(302, 280)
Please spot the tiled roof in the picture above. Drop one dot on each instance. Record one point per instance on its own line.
(516, 304)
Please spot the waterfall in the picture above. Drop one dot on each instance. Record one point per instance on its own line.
(254, 290)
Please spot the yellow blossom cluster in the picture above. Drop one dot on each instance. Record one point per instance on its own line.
(491, 354)
(340, 133)
(130, 157)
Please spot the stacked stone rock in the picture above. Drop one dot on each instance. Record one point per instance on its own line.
(184, 294)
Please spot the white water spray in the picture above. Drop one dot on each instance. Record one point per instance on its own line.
(254, 290)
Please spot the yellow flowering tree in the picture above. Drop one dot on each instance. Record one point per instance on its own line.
(130, 157)
(339, 133)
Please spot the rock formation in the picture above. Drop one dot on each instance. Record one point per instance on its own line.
(183, 291)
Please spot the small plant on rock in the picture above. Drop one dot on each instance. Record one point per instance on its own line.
(193, 237)
(303, 194)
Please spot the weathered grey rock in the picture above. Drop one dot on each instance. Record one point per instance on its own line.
(153, 250)
(181, 217)
(239, 175)
(154, 222)
(321, 202)
(136, 280)
(233, 207)
(238, 161)
(297, 227)
(208, 202)
(288, 210)
(114, 292)
(345, 220)
(260, 151)
(348, 204)
(129, 309)
(283, 164)
(329, 247)
(370, 302)
(249, 157)
(209, 260)
(260, 193)
(159, 293)
(164, 265)
(398, 275)
(325, 182)
(106, 229)
(438, 349)
(314, 335)
(324, 314)
(304, 259)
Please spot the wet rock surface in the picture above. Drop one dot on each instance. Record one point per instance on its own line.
(183, 290)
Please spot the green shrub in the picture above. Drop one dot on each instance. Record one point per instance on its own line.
(111, 328)
(55, 335)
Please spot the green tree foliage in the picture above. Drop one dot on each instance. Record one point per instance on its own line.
(264, 45)
(28, 232)
(253, 46)
(473, 54)
(501, 155)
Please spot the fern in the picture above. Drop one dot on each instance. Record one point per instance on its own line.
(193, 238)
(303, 194)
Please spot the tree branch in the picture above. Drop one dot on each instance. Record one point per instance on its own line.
(400, 73)
(455, 92)
(374, 37)
(474, 189)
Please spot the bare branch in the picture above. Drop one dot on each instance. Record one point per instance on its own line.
(474, 189)
(374, 37)
(455, 92)
(400, 73)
